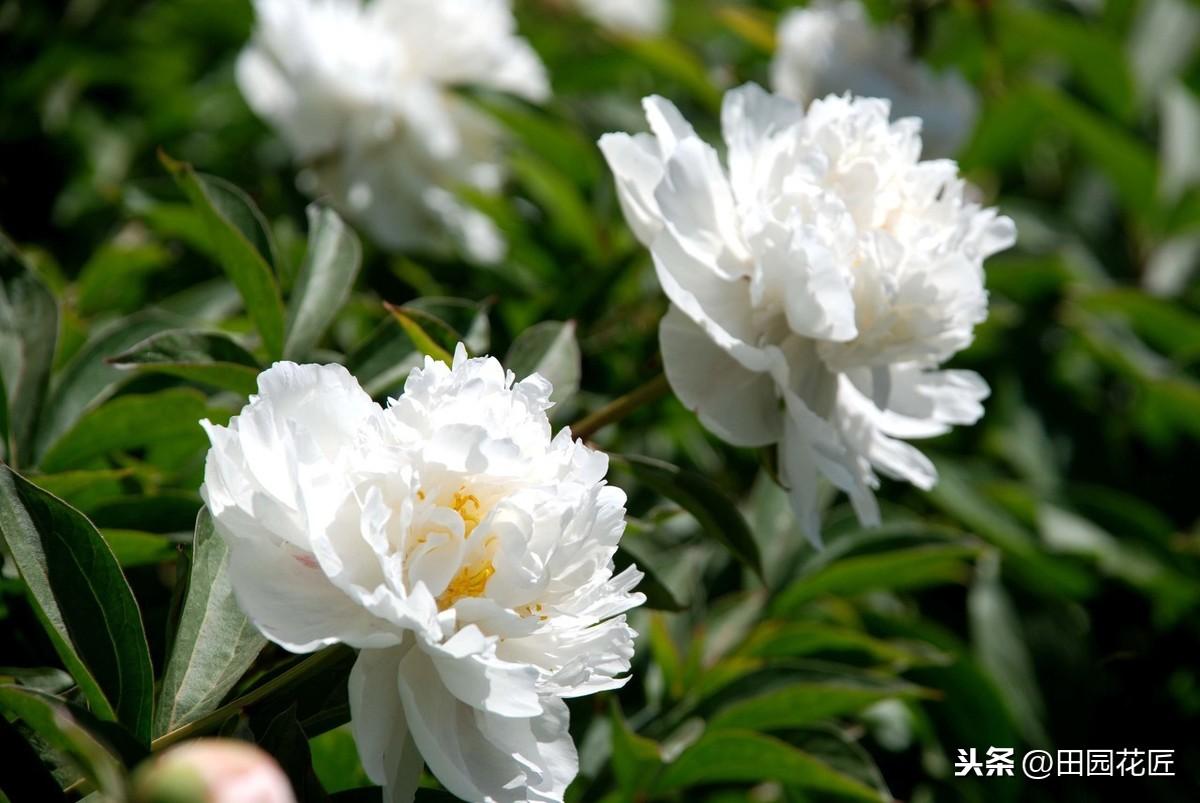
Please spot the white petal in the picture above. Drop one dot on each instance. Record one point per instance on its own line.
(286, 595)
(697, 203)
(480, 756)
(388, 753)
(469, 668)
(667, 123)
(739, 406)
(637, 165)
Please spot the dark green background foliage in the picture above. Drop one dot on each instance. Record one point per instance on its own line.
(1043, 595)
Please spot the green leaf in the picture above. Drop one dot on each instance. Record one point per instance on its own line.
(658, 596)
(214, 641)
(335, 760)
(896, 570)
(285, 739)
(238, 234)
(28, 332)
(131, 422)
(1129, 164)
(323, 284)
(25, 777)
(801, 704)
(137, 548)
(79, 594)
(548, 348)
(1001, 648)
(800, 639)
(209, 358)
(561, 200)
(635, 759)
(53, 721)
(113, 277)
(87, 380)
(428, 333)
(704, 499)
(738, 756)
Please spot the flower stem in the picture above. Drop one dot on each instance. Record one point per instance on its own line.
(620, 407)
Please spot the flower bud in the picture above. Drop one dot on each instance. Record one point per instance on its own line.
(212, 771)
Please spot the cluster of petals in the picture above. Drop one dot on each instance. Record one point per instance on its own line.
(817, 282)
(363, 92)
(450, 537)
(832, 46)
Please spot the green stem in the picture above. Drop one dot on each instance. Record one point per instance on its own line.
(620, 407)
(326, 657)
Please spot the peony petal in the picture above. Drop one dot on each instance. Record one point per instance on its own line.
(637, 164)
(286, 595)
(469, 668)
(386, 748)
(740, 406)
(480, 756)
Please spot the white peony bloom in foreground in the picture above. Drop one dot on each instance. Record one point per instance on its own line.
(832, 47)
(638, 17)
(815, 285)
(467, 552)
(364, 96)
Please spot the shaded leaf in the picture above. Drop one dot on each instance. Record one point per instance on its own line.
(77, 589)
(214, 641)
(236, 232)
(50, 719)
(131, 422)
(701, 497)
(209, 358)
(328, 272)
(548, 348)
(723, 756)
(801, 704)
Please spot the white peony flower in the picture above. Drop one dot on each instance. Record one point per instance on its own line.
(638, 17)
(364, 96)
(832, 47)
(815, 285)
(451, 538)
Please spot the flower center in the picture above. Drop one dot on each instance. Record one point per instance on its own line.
(471, 581)
(467, 506)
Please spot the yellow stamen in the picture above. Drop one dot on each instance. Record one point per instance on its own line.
(471, 581)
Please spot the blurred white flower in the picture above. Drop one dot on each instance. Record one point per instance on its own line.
(832, 47)
(451, 538)
(639, 17)
(815, 286)
(364, 96)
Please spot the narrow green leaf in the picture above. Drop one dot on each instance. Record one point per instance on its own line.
(236, 231)
(658, 596)
(209, 358)
(131, 422)
(137, 548)
(635, 758)
(569, 214)
(28, 332)
(549, 348)
(895, 570)
(214, 641)
(739, 756)
(701, 497)
(801, 639)
(802, 704)
(323, 284)
(25, 777)
(422, 328)
(77, 589)
(87, 381)
(52, 720)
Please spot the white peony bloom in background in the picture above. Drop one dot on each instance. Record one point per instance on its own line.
(815, 285)
(638, 17)
(467, 552)
(364, 96)
(833, 47)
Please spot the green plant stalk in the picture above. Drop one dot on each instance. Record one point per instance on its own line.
(621, 407)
